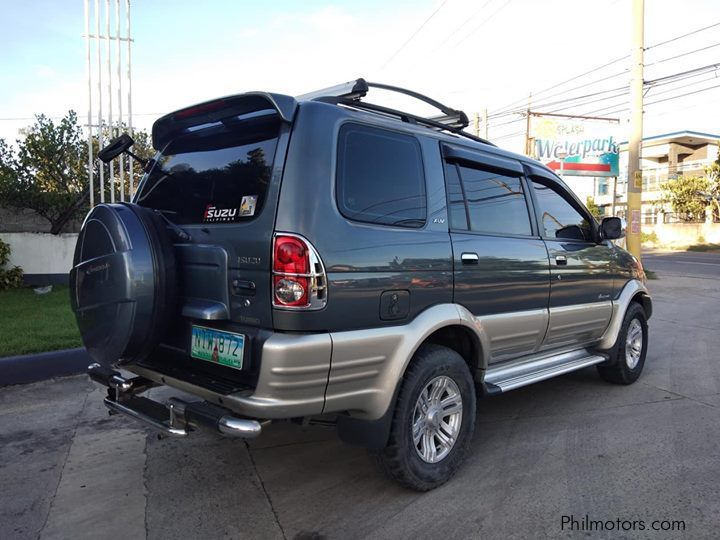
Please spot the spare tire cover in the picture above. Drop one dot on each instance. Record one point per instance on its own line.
(122, 284)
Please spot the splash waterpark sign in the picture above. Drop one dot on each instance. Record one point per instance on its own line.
(590, 147)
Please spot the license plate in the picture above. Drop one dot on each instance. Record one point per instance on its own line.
(224, 348)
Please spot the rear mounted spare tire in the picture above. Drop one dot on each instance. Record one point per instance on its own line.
(123, 282)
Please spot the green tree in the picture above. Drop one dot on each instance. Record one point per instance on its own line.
(688, 196)
(713, 176)
(593, 207)
(48, 172)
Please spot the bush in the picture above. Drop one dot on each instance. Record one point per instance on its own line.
(649, 237)
(13, 277)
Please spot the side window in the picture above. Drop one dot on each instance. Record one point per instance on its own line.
(380, 177)
(559, 217)
(457, 212)
(495, 202)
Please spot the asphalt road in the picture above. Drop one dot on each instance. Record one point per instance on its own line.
(572, 446)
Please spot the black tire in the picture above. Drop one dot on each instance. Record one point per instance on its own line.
(400, 460)
(617, 369)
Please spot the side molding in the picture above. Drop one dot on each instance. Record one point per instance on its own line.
(620, 305)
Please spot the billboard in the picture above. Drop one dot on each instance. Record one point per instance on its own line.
(591, 146)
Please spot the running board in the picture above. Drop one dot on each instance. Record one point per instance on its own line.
(508, 376)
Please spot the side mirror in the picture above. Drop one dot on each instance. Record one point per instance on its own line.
(612, 228)
(116, 147)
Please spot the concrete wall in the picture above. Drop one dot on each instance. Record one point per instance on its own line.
(45, 258)
(684, 234)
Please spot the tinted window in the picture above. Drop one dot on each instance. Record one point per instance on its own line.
(212, 178)
(559, 217)
(495, 202)
(456, 199)
(380, 177)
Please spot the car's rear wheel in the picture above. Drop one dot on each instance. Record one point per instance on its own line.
(627, 356)
(433, 422)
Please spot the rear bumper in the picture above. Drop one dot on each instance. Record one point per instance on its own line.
(292, 380)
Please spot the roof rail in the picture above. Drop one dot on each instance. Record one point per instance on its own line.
(352, 92)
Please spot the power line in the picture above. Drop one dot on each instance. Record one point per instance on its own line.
(569, 102)
(569, 80)
(682, 36)
(415, 33)
(683, 95)
(463, 25)
(485, 21)
(684, 54)
(598, 68)
(542, 103)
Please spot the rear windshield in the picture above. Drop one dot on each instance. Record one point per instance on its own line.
(215, 175)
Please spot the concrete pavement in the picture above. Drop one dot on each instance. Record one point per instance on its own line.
(572, 446)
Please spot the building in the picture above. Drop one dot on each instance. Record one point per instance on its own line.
(663, 157)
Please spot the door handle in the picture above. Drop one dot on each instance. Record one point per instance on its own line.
(560, 260)
(469, 258)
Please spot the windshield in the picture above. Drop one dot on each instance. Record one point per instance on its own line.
(216, 175)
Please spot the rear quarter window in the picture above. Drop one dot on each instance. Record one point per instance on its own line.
(380, 177)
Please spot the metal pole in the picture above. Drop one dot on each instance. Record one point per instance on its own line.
(634, 197)
(89, 96)
(527, 128)
(118, 45)
(485, 123)
(129, 97)
(614, 195)
(109, 90)
(100, 89)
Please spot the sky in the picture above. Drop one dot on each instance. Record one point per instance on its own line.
(468, 54)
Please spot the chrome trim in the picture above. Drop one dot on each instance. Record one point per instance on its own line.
(469, 257)
(142, 417)
(523, 372)
(318, 280)
(239, 427)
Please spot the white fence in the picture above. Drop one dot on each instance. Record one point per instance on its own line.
(41, 254)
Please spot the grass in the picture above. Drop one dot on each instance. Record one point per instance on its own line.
(31, 322)
(704, 247)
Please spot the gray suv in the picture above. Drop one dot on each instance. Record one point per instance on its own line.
(324, 256)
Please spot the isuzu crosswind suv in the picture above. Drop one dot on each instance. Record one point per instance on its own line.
(291, 257)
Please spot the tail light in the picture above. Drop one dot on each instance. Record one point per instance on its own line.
(299, 280)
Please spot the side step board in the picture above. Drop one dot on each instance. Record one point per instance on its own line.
(504, 377)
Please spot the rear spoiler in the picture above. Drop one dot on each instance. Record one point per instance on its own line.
(176, 123)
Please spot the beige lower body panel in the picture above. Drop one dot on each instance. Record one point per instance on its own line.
(577, 325)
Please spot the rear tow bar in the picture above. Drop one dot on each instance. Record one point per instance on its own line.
(177, 418)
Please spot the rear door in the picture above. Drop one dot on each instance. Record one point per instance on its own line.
(219, 181)
(580, 273)
(501, 264)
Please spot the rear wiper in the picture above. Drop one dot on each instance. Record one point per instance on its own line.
(179, 232)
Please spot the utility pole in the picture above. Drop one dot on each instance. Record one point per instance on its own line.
(634, 191)
(477, 125)
(485, 123)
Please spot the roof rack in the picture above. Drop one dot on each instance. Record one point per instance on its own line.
(352, 92)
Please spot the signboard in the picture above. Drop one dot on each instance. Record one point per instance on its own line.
(590, 147)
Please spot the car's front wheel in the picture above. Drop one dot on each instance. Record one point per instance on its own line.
(627, 356)
(433, 422)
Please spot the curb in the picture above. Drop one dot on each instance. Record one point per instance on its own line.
(30, 368)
